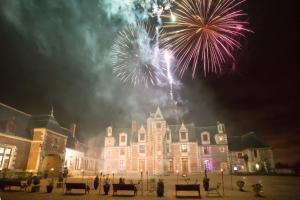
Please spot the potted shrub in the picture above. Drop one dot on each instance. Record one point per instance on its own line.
(36, 184)
(257, 188)
(65, 172)
(160, 188)
(240, 184)
(106, 186)
(29, 181)
(121, 180)
(205, 183)
(96, 182)
(49, 187)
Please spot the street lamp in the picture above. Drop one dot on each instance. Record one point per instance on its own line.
(82, 171)
(142, 182)
(257, 166)
(177, 174)
(222, 173)
(147, 179)
(52, 173)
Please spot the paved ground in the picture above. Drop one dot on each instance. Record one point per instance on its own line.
(275, 188)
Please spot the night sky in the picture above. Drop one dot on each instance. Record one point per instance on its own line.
(56, 53)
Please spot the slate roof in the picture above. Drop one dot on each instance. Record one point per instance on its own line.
(25, 123)
(247, 141)
(194, 133)
(22, 121)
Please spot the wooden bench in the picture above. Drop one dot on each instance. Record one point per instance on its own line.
(214, 190)
(188, 187)
(83, 186)
(127, 187)
(12, 183)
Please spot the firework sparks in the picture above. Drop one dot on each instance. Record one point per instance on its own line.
(169, 73)
(206, 31)
(136, 57)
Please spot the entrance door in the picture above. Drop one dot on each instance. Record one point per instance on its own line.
(52, 164)
(170, 167)
(185, 167)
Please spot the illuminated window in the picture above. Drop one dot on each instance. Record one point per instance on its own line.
(183, 135)
(255, 153)
(142, 148)
(205, 150)
(168, 136)
(158, 125)
(123, 138)
(222, 149)
(240, 155)
(5, 154)
(142, 136)
(168, 148)
(122, 165)
(122, 152)
(77, 163)
(184, 148)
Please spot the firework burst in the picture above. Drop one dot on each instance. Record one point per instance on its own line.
(136, 56)
(205, 31)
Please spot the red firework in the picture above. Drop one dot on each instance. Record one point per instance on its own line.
(205, 31)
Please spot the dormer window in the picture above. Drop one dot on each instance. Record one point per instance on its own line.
(183, 136)
(123, 139)
(142, 137)
(205, 137)
(158, 125)
(168, 136)
(109, 131)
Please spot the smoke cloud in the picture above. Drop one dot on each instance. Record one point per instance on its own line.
(80, 34)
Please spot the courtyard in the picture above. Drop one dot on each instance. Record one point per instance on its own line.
(274, 188)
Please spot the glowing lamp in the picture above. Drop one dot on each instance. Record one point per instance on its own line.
(257, 166)
(52, 169)
(222, 170)
(235, 168)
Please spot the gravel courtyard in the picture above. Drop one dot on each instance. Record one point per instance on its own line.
(274, 188)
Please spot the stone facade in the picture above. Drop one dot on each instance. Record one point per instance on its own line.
(159, 148)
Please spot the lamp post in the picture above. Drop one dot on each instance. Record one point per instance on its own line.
(147, 179)
(82, 173)
(222, 173)
(100, 182)
(52, 174)
(177, 174)
(142, 187)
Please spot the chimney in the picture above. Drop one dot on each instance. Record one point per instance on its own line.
(73, 129)
(133, 126)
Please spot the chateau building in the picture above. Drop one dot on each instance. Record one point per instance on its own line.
(160, 148)
(37, 143)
